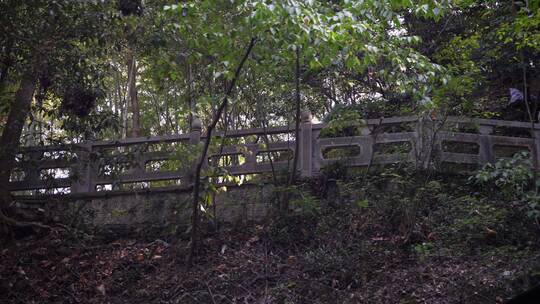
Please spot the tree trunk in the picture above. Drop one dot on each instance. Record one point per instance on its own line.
(132, 90)
(191, 101)
(11, 135)
(292, 176)
(202, 159)
(7, 64)
(284, 206)
(9, 142)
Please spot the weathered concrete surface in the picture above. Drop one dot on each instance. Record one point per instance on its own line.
(142, 211)
(244, 203)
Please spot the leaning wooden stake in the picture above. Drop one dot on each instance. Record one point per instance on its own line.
(197, 173)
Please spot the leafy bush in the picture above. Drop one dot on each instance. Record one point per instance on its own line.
(306, 204)
(335, 171)
(423, 249)
(343, 121)
(512, 176)
(532, 206)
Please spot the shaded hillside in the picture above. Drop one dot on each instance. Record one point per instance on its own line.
(389, 238)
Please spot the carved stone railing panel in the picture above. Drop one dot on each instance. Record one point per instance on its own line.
(365, 143)
(82, 167)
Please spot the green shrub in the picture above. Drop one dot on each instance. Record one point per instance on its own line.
(335, 171)
(514, 178)
(343, 121)
(424, 249)
(511, 176)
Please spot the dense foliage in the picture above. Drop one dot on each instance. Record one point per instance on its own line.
(150, 65)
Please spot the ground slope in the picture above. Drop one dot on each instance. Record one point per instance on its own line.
(394, 238)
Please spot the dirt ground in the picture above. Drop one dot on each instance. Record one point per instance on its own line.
(247, 267)
(440, 242)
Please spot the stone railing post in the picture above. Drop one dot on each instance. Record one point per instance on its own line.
(82, 170)
(306, 144)
(425, 142)
(194, 140)
(32, 173)
(195, 134)
(485, 154)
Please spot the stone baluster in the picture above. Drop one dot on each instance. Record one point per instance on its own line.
(306, 143)
(82, 170)
(485, 154)
(195, 134)
(426, 144)
(194, 140)
(32, 170)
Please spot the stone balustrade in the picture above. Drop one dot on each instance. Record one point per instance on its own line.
(155, 161)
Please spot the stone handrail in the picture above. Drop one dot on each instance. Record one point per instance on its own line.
(424, 141)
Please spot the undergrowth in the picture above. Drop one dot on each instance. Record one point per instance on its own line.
(392, 236)
(418, 219)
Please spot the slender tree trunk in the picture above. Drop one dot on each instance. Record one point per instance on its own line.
(3, 76)
(202, 159)
(125, 114)
(133, 98)
(119, 98)
(123, 107)
(9, 142)
(191, 101)
(8, 62)
(174, 128)
(284, 199)
(530, 114)
(11, 135)
(160, 128)
(292, 176)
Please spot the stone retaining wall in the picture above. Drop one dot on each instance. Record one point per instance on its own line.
(141, 211)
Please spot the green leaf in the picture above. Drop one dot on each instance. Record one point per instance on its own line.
(362, 203)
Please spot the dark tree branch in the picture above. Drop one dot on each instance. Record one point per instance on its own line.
(292, 175)
(210, 129)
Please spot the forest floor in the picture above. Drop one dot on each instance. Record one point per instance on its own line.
(445, 246)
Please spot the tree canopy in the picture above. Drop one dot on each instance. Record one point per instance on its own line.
(382, 57)
(185, 54)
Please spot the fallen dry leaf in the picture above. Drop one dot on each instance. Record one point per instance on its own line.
(101, 289)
